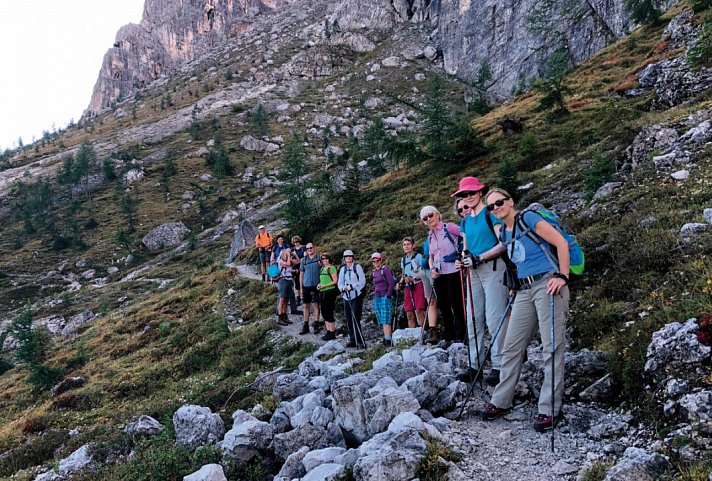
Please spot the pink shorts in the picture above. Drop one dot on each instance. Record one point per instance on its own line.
(414, 294)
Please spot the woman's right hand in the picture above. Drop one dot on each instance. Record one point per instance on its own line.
(435, 273)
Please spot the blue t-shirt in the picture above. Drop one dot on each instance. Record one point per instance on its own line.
(310, 268)
(480, 238)
(525, 253)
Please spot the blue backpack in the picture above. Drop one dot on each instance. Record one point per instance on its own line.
(576, 256)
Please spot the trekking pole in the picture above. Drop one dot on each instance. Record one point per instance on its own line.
(463, 281)
(553, 379)
(394, 314)
(494, 338)
(357, 325)
(480, 363)
(433, 295)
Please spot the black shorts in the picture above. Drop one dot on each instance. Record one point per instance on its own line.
(310, 295)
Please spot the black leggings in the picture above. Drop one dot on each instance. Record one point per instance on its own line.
(328, 302)
(448, 288)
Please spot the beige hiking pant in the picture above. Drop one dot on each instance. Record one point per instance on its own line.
(531, 308)
(489, 298)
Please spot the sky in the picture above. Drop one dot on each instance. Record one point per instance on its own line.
(51, 52)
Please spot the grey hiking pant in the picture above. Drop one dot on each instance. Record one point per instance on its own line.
(490, 299)
(529, 310)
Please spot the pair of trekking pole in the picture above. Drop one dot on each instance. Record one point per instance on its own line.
(494, 338)
(357, 325)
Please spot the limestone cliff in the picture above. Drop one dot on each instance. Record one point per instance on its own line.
(514, 37)
(170, 33)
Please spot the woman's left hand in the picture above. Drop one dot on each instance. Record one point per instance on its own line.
(554, 285)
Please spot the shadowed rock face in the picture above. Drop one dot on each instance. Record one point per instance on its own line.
(514, 36)
(170, 33)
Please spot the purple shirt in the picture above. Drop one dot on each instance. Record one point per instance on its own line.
(440, 246)
(383, 282)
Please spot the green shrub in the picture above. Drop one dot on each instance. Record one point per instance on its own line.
(602, 170)
(5, 366)
(43, 377)
(644, 12)
(529, 151)
(430, 468)
(155, 458)
(36, 451)
(700, 55)
(698, 471)
(509, 177)
(552, 85)
(259, 119)
(700, 5)
(597, 472)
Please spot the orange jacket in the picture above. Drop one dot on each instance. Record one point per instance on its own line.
(263, 241)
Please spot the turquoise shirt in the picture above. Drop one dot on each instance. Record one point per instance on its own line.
(479, 237)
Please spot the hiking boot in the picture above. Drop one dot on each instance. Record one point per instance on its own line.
(317, 327)
(351, 344)
(468, 375)
(388, 343)
(432, 337)
(543, 422)
(492, 378)
(297, 312)
(444, 344)
(491, 412)
(263, 277)
(329, 336)
(299, 301)
(305, 329)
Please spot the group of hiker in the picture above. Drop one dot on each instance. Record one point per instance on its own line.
(496, 269)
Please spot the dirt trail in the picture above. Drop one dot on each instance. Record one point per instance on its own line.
(506, 449)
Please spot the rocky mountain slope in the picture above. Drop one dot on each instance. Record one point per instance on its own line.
(163, 361)
(513, 38)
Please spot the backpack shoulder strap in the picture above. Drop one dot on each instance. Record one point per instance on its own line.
(537, 239)
(488, 219)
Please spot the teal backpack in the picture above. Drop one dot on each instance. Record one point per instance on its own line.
(577, 258)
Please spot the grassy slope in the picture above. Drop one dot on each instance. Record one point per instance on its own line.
(189, 356)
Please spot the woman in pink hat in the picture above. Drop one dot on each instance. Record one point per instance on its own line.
(486, 295)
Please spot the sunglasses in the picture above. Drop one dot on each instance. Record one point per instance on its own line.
(463, 209)
(468, 193)
(346, 257)
(310, 248)
(427, 217)
(497, 203)
(375, 260)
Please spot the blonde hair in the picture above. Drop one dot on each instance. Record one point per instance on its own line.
(285, 254)
(296, 239)
(497, 190)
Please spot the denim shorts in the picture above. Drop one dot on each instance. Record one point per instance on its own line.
(283, 286)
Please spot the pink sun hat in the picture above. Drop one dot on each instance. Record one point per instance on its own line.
(469, 184)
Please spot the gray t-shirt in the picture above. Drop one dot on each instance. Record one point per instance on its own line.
(310, 267)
